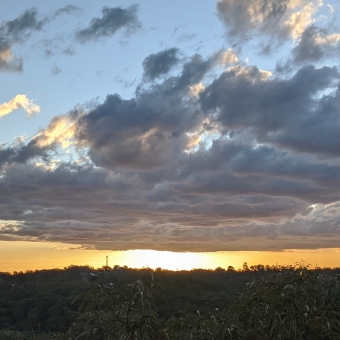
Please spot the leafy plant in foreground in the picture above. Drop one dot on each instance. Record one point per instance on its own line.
(108, 314)
(291, 305)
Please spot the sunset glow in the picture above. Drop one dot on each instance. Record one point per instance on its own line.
(23, 256)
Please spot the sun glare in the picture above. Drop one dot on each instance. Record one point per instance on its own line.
(166, 260)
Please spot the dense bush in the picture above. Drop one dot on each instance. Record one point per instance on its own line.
(295, 304)
(255, 303)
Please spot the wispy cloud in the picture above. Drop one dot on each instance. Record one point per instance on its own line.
(13, 32)
(17, 31)
(112, 20)
(66, 10)
(8, 62)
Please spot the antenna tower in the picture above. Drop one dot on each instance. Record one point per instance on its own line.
(107, 261)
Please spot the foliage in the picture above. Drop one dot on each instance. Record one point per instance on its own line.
(108, 314)
(296, 304)
(259, 302)
(10, 335)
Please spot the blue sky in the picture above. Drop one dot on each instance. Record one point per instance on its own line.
(59, 72)
(179, 126)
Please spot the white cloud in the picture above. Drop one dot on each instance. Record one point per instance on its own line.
(196, 89)
(20, 101)
(298, 21)
(60, 130)
(228, 57)
(331, 39)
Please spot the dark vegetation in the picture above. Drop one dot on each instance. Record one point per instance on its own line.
(259, 302)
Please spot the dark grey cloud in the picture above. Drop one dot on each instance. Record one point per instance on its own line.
(160, 63)
(308, 50)
(143, 132)
(18, 28)
(82, 204)
(42, 146)
(13, 32)
(194, 70)
(285, 112)
(6, 154)
(149, 130)
(316, 43)
(22, 153)
(112, 20)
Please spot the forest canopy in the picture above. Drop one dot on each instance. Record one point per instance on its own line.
(257, 302)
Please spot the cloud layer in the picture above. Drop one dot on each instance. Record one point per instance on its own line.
(237, 164)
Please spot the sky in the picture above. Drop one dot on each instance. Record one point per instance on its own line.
(192, 127)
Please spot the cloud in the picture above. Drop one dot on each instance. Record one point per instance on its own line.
(96, 208)
(56, 45)
(65, 10)
(149, 130)
(59, 133)
(142, 132)
(152, 129)
(8, 62)
(159, 64)
(226, 57)
(22, 153)
(20, 101)
(112, 20)
(278, 20)
(56, 70)
(14, 32)
(207, 208)
(298, 21)
(18, 30)
(202, 208)
(236, 189)
(316, 43)
(287, 113)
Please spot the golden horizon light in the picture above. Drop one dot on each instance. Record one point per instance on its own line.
(24, 256)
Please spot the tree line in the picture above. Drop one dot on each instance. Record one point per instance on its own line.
(257, 302)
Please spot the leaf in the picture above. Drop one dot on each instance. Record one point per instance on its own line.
(82, 334)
